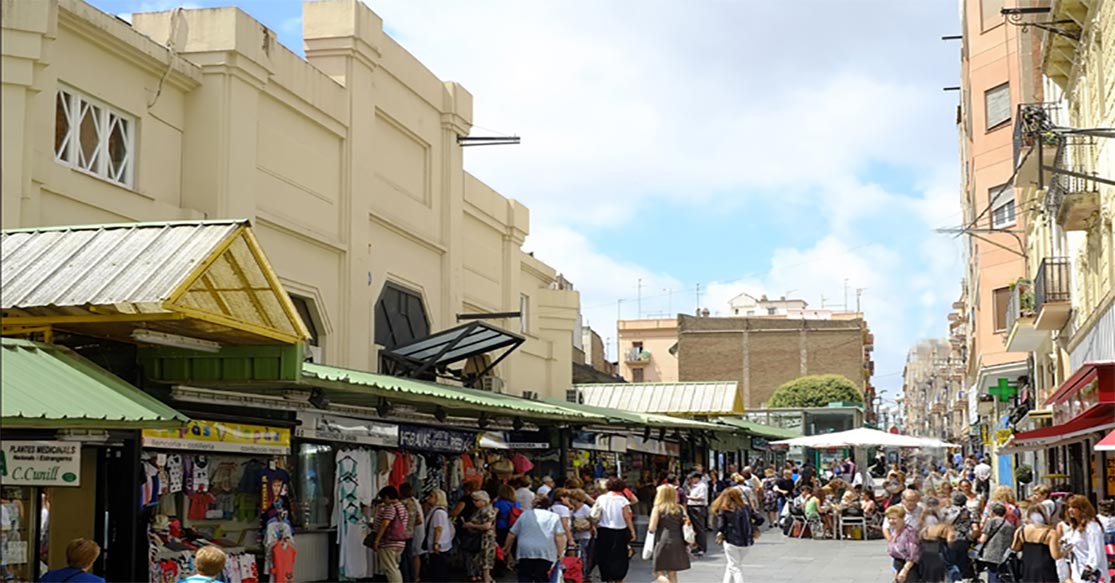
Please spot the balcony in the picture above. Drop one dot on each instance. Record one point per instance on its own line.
(1052, 293)
(1034, 143)
(1073, 196)
(636, 357)
(1022, 336)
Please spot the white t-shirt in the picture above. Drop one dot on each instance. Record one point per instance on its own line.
(983, 472)
(612, 505)
(525, 498)
(700, 490)
(544, 489)
(583, 512)
(439, 517)
(1087, 550)
(535, 531)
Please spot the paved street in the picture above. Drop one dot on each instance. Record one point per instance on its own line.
(776, 559)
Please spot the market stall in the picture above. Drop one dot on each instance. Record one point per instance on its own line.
(218, 483)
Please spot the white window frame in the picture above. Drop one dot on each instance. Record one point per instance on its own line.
(1000, 121)
(1002, 197)
(105, 119)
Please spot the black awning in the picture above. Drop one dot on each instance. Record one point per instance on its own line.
(434, 353)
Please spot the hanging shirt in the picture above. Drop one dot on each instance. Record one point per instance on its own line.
(353, 489)
(200, 473)
(282, 558)
(174, 472)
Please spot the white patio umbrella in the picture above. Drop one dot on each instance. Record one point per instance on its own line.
(861, 437)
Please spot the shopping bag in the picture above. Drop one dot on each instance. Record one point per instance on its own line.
(689, 533)
(648, 547)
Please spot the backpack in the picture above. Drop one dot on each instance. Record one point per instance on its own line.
(513, 516)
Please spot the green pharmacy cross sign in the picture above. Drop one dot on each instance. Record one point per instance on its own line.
(1003, 390)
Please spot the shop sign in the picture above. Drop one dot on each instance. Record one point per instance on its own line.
(221, 436)
(759, 443)
(346, 429)
(40, 463)
(528, 440)
(420, 438)
(1002, 436)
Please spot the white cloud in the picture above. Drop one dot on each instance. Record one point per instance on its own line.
(625, 105)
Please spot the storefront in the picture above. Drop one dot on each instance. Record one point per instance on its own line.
(1083, 413)
(221, 483)
(69, 443)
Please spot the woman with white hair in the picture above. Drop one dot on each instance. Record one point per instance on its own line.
(439, 537)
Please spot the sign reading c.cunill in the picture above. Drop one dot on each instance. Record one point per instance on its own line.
(421, 438)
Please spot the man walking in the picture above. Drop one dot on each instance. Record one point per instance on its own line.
(983, 477)
(697, 507)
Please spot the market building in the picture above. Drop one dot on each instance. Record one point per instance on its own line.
(347, 162)
(227, 434)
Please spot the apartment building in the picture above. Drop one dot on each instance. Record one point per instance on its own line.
(1062, 314)
(933, 385)
(347, 162)
(995, 79)
(648, 350)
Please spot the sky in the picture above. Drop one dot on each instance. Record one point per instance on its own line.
(787, 148)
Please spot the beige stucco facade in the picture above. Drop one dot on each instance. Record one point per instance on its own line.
(346, 162)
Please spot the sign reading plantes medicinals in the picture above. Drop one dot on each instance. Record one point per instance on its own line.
(40, 463)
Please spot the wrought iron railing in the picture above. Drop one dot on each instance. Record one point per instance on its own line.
(1074, 170)
(1033, 125)
(1054, 281)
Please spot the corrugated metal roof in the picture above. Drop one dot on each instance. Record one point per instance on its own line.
(714, 398)
(134, 266)
(210, 274)
(378, 385)
(758, 428)
(50, 386)
(640, 419)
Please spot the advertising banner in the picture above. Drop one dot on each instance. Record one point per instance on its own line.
(221, 436)
(40, 463)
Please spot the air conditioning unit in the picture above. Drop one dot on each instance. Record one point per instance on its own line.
(492, 384)
(530, 395)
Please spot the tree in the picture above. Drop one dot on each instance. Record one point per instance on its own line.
(815, 391)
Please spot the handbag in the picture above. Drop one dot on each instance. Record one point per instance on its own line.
(648, 547)
(469, 541)
(597, 511)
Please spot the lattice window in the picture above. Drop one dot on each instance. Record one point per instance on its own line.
(94, 137)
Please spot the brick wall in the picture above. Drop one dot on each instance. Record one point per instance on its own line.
(763, 353)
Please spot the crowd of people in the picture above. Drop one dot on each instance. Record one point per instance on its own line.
(954, 524)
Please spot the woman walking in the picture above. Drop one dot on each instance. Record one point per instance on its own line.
(671, 553)
(903, 545)
(439, 538)
(581, 526)
(614, 532)
(1087, 558)
(540, 534)
(770, 496)
(998, 532)
(480, 548)
(1040, 546)
(735, 531)
(935, 536)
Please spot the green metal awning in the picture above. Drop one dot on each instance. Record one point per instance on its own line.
(758, 428)
(48, 386)
(364, 388)
(617, 417)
